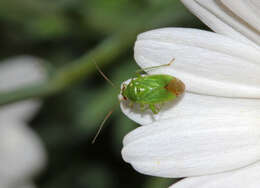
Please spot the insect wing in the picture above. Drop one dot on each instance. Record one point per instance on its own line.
(150, 89)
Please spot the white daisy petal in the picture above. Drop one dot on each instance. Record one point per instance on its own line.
(206, 62)
(15, 73)
(23, 111)
(222, 20)
(21, 152)
(247, 10)
(248, 177)
(192, 146)
(20, 71)
(15, 185)
(190, 105)
(27, 185)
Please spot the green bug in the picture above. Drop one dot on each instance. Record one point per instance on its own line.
(152, 91)
(149, 91)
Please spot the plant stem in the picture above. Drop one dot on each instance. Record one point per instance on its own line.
(74, 72)
(105, 53)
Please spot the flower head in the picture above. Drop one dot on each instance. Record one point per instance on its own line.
(215, 126)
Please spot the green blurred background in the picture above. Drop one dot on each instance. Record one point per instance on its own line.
(70, 34)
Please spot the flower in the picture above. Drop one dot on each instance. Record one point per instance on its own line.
(215, 126)
(21, 152)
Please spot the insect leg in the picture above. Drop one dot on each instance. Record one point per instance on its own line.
(158, 107)
(153, 108)
(143, 107)
(131, 104)
(153, 67)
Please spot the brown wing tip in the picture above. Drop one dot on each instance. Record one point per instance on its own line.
(176, 86)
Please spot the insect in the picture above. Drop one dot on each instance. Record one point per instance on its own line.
(149, 91)
(152, 91)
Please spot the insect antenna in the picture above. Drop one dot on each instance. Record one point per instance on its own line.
(104, 76)
(102, 124)
(111, 111)
(155, 67)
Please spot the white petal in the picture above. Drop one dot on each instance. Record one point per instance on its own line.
(247, 10)
(190, 105)
(21, 152)
(3, 184)
(19, 71)
(219, 18)
(192, 146)
(17, 185)
(26, 185)
(22, 111)
(208, 63)
(15, 73)
(248, 177)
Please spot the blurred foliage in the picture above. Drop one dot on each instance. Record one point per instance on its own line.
(70, 34)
